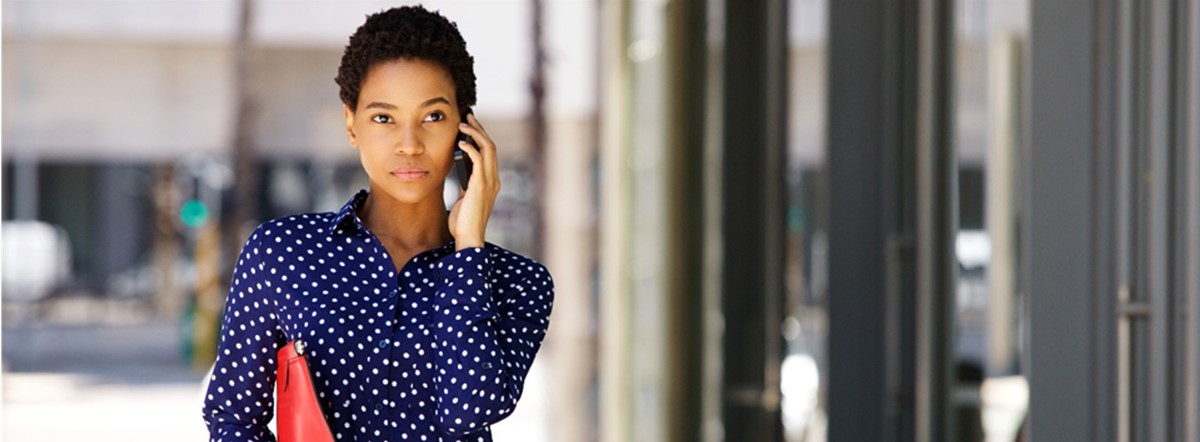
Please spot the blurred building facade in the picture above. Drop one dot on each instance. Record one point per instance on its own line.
(899, 220)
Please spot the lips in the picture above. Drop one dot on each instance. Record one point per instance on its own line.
(410, 173)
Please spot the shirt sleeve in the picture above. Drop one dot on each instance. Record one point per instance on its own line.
(487, 336)
(239, 403)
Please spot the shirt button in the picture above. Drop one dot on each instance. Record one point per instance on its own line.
(393, 294)
(383, 343)
(487, 365)
(379, 406)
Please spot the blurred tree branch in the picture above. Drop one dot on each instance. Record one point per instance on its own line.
(537, 91)
(244, 152)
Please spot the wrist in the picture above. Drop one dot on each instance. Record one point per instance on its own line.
(467, 243)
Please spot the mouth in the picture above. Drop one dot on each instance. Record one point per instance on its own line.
(410, 174)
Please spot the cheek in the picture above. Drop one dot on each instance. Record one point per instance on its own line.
(442, 147)
(377, 135)
(443, 163)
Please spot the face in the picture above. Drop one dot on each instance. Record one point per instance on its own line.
(405, 128)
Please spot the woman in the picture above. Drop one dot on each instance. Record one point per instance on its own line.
(416, 328)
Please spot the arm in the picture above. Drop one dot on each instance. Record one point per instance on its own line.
(485, 348)
(239, 402)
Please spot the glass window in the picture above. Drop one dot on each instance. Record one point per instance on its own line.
(805, 330)
(989, 54)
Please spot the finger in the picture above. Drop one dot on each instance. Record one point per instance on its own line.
(479, 135)
(476, 157)
(486, 150)
(489, 150)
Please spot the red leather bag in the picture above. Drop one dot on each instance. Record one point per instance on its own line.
(298, 414)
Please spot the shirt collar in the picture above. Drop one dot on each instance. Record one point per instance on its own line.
(349, 212)
(348, 216)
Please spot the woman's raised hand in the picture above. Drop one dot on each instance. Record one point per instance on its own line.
(469, 215)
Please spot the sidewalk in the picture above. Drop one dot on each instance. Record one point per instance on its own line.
(100, 383)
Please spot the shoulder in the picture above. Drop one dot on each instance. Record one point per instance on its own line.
(305, 225)
(291, 230)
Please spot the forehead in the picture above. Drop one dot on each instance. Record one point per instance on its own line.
(406, 81)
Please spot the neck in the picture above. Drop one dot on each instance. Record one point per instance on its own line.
(415, 226)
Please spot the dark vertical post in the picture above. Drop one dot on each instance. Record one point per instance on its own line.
(871, 219)
(1061, 163)
(937, 221)
(753, 162)
(229, 239)
(687, 70)
(245, 155)
(537, 124)
(1189, 223)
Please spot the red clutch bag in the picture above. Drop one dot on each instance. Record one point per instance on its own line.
(298, 414)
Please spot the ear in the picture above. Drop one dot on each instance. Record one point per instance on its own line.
(350, 125)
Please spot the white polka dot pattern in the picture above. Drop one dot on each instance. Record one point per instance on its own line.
(435, 351)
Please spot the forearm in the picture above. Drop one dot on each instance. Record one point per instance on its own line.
(484, 349)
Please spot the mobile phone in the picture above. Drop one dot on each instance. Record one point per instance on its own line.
(462, 162)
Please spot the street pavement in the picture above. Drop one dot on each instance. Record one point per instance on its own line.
(64, 382)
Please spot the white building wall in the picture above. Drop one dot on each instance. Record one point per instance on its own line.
(153, 80)
(89, 100)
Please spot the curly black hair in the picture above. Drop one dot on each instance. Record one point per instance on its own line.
(407, 32)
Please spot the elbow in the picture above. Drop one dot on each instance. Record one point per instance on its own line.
(226, 426)
(220, 431)
(475, 415)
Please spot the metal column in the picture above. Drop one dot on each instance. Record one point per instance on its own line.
(937, 221)
(865, 126)
(893, 184)
(1070, 332)
(753, 157)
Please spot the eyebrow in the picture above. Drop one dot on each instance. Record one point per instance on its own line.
(435, 100)
(389, 106)
(381, 105)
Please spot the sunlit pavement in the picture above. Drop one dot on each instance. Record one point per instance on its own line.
(129, 383)
(104, 383)
(63, 407)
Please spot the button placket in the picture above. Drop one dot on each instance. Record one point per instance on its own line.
(408, 360)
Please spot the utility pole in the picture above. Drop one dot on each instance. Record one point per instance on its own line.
(244, 153)
(537, 117)
(168, 301)
(213, 241)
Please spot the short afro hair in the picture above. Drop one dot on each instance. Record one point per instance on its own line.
(408, 32)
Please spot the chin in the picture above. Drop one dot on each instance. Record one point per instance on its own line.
(412, 193)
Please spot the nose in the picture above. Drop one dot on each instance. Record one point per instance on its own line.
(409, 142)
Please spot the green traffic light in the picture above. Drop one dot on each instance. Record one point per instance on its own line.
(193, 213)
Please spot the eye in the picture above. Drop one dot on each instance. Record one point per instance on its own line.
(381, 118)
(435, 116)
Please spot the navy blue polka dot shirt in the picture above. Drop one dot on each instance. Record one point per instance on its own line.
(436, 351)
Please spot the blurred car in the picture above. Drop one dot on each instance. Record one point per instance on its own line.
(36, 260)
(142, 281)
